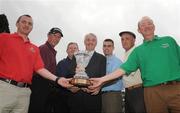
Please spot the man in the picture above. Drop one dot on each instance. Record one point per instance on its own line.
(111, 92)
(132, 82)
(66, 68)
(82, 101)
(42, 89)
(19, 58)
(158, 59)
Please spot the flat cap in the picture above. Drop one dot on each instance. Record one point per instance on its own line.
(128, 32)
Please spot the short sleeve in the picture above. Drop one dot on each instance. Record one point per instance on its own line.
(131, 64)
(38, 61)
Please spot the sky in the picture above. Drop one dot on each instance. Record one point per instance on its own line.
(105, 18)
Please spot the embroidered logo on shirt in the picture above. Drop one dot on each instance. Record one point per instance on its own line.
(32, 49)
(166, 45)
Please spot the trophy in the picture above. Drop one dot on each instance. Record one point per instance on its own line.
(81, 78)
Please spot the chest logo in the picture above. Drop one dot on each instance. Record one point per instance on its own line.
(166, 45)
(32, 49)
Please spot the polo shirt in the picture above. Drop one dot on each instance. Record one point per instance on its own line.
(158, 61)
(18, 59)
(48, 55)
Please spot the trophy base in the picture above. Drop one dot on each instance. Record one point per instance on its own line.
(80, 82)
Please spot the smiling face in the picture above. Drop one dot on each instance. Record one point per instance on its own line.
(54, 39)
(108, 47)
(71, 49)
(127, 41)
(24, 25)
(146, 28)
(90, 42)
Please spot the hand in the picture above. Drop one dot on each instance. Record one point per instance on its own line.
(95, 87)
(95, 91)
(92, 91)
(96, 83)
(74, 89)
(86, 90)
(64, 82)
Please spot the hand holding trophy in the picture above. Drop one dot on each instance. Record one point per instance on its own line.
(81, 78)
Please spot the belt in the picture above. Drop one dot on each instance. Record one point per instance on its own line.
(170, 83)
(109, 91)
(135, 86)
(19, 84)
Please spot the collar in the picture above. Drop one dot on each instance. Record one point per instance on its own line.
(70, 59)
(130, 50)
(21, 38)
(90, 52)
(50, 47)
(153, 39)
(110, 56)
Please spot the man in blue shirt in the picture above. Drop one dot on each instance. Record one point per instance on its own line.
(111, 92)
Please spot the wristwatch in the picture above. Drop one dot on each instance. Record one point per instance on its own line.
(57, 79)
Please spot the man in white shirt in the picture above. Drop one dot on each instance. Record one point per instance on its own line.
(134, 95)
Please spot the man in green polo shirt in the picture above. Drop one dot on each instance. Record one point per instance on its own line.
(158, 59)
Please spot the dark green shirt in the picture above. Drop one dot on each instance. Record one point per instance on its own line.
(158, 61)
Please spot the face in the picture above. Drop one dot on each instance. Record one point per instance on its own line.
(54, 39)
(146, 28)
(25, 25)
(90, 42)
(71, 49)
(127, 41)
(108, 48)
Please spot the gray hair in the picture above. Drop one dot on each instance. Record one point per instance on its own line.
(145, 18)
(90, 34)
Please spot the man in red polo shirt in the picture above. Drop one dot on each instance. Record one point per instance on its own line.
(19, 58)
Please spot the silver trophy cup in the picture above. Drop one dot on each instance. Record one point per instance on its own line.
(81, 78)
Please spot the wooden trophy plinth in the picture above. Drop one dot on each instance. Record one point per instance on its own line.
(80, 82)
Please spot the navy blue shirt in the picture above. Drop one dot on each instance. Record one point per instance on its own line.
(66, 68)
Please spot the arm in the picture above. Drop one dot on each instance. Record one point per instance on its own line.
(48, 75)
(98, 82)
(62, 71)
(131, 65)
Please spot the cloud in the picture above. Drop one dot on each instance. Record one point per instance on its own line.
(105, 18)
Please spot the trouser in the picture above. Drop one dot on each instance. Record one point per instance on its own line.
(13, 99)
(112, 102)
(134, 100)
(60, 100)
(42, 96)
(82, 102)
(162, 98)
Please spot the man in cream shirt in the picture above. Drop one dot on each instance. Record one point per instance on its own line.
(134, 95)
